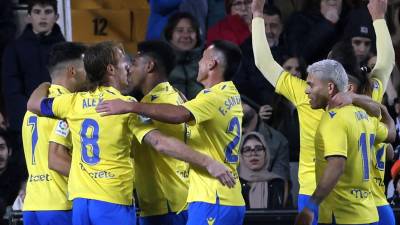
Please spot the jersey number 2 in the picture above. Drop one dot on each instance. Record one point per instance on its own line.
(229, 156)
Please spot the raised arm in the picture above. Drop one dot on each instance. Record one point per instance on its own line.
(36, 98)
(166, 113)
(385, 59)
(59, 159)
(262, 53)
(173, 147)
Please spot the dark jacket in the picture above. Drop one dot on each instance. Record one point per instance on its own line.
(312, 36)
(276, 192)
(249, 80)
(24, 68)
(10, 182)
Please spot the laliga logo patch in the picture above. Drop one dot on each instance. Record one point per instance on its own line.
(62, 128)
(144, 119)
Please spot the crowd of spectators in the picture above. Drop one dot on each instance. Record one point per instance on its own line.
(270, 144)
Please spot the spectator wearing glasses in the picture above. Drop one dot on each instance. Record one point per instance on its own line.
(261, 188)
(235, 27)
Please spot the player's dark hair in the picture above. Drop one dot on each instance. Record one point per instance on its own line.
(161, 52)
(98, 57)
(63, 52)
(232, 56)
(52, 3)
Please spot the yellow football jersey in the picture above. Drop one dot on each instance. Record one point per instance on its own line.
(218, 116)
(351, 133)
(166, 190)
(293, 89)
(45, 189)
(379, 154)
(101, 167)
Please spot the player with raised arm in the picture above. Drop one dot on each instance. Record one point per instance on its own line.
(293, 89)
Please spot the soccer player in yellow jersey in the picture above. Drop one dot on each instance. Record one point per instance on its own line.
(101, 177)
(343, 142)
(161, 197)
(217, 111)
(293, 88)
(46, 191)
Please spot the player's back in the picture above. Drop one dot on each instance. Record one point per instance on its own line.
(218, 114)
(101, 167)
(167, 190)
(46, 189)
(351, 133)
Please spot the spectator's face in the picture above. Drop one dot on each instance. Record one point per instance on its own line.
(5, 153)
(292, 66)
(253, 153)
(317, 92)
(273, 29)
(184, 35)
(361, 46)
(397, 108)
(43, 18)
(243, 9)
(327, 5)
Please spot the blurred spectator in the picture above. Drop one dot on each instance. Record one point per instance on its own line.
(7, 31)
(261, 187)
(10, 176)
(216, 12)
(183, 34)
(360, 32)
(25, 62)
(295, 66)
(19, 201)
(160, 10)
(277, 143)
(235, 27)
(395, 199)
(313, 31)
(249, 80)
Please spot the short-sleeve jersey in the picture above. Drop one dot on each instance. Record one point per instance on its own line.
(348, 132)
(293, 89)
(218, 116)
(161, 181)
(101, 166)
(45, 189)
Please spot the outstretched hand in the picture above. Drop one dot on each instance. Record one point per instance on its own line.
(222, 173)
(377, 9)
(257, 7)
(113, 107)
